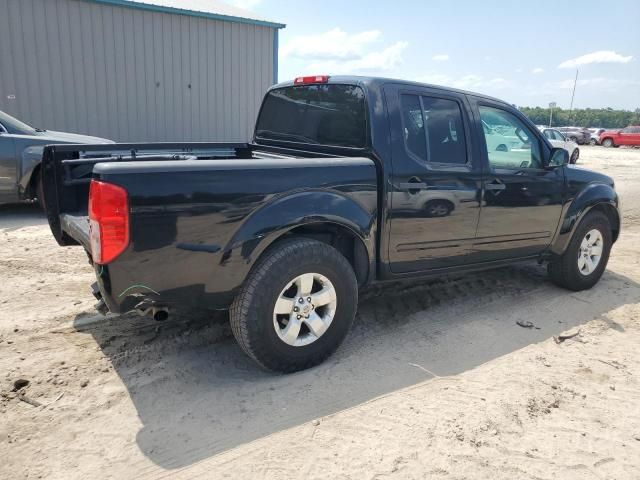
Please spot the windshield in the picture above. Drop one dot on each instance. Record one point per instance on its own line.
(331, 115)
(13, 125)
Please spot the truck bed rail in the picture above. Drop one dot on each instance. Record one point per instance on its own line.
(67, 171)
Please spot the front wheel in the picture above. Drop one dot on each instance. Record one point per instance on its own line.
(593, 142)
(574, 156)
(607, 142)
(586, 257)
(296, 306)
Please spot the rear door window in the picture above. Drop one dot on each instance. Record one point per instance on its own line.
(328, 114)
(433, 129)
(415, 139)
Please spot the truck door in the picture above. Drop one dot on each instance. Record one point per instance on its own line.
(630, 136)
(625, 137)
(521, 200)
(435, 186)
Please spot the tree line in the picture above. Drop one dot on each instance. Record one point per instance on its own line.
(586, 117)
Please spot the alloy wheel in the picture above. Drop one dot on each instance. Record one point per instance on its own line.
(590, 252)
(305, 309)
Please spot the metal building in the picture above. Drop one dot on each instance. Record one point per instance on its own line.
(146, 70)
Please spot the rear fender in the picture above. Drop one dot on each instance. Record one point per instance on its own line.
(267, 224)
(594, 196)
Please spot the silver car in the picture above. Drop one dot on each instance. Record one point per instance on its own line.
(21, 147)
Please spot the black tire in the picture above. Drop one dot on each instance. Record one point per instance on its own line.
(564, 270)
(608, 142)
(593, 142)
(574, 139)
(251, 313)
(574, 156)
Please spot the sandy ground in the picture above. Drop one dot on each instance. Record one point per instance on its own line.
(435, 381)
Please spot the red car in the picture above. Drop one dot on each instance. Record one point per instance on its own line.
(626, 136)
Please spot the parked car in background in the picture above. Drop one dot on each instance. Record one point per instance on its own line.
(21, 148)
(348, 181)
(626, 136)
(576, 134)
(595, 135)
(558, 140)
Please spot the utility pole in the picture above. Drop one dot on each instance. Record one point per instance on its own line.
(575, 82)
(552, 105)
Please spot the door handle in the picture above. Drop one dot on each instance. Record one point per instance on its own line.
(408, 186)
(494, 186)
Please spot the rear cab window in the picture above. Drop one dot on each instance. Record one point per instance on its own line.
(331, 115)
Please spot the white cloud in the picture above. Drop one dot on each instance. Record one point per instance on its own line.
(441, 57)
(334, 44)
(246, 4)
(537, 70)
(337, 51)
(601, 56)
(384, 60)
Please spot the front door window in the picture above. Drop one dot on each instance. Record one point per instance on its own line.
(510, 143)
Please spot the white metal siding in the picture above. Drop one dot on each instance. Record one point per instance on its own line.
(124, 74)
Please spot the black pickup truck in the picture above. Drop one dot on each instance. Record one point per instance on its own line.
(348, 181)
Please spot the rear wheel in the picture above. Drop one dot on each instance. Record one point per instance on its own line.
(296, 306)
(438, 208)
(574, 139)
(586, 257)
(593, 142)
(607, 142)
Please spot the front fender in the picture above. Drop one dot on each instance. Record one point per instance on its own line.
(270, 222)
(593, 195)
(30, 158)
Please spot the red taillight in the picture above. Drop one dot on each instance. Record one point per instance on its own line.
(108, 221)
(311, 79)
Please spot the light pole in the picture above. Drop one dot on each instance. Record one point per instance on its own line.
(552, 105)
(575, 82)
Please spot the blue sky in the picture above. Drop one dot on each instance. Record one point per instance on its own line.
(523, 52)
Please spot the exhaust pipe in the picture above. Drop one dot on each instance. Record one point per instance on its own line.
(160, 314)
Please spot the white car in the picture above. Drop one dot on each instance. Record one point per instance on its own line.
(595, 135)
(558, 140)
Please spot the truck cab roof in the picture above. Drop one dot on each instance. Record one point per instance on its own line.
(379, 82)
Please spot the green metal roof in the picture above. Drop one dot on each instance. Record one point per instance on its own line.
(212, 9)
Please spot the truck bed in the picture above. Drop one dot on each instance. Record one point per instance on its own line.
(68, 171)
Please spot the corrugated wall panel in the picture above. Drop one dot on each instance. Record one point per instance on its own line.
(131, 75)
